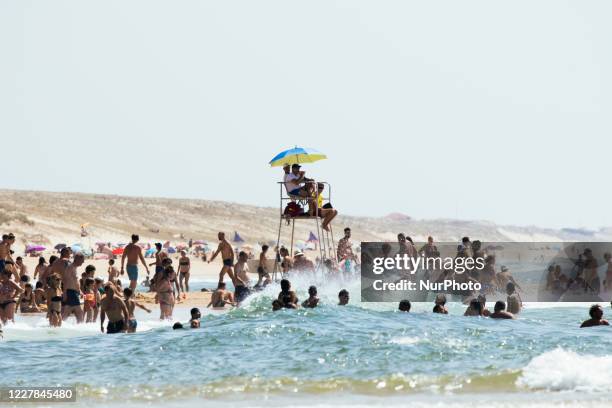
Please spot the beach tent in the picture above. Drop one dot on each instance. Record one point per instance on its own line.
(312, 238)
(150, 252)
(237, 238)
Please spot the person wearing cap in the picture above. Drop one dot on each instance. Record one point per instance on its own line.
(301, 263)
(294, 179)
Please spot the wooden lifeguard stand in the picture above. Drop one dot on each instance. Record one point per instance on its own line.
(327, 245)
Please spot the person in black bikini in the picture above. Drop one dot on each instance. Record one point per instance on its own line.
(8, 291)
(227, 252)
(54, 300)
(184, 269)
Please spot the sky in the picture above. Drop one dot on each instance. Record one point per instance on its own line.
(475, 110)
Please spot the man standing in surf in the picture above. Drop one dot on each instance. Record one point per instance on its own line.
(227, 253)
(133, 253)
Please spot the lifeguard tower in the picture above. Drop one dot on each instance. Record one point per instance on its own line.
(327, 245)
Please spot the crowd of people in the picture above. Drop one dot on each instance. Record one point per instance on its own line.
(61, 290)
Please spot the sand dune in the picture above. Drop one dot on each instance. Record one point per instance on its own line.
(49, 218)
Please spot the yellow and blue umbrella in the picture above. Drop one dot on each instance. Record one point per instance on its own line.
(298, 155)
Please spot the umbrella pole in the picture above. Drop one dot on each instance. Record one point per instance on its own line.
(292, 233)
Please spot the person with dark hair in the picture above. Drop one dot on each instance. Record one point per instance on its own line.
(343, 297)
(276, 305)
(499, 311)
(404, 306)
(312, 300)
(21, 267)
(177, 326)
(131, 304)
(262, 269)
(596, 312)
(40, 267)
(286, 296)
(39, 294)
(133, 253)
(194, 322)
(184, 270)
(44, 275)
(27, 300)
(440, 304)
(515, 304)
(474, 309)
(91, 300)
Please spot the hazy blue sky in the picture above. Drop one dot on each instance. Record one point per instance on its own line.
(464, 109)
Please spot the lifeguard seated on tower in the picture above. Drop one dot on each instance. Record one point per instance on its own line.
(294, 180)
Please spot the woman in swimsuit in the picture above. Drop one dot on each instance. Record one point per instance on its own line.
(8, 291)
(54, 301)
(165, 294)
(184, 268)
(27, 300)
(286, 263)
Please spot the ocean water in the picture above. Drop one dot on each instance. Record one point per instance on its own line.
(365, 354)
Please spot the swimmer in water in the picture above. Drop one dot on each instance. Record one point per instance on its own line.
(91, 299)
(131, 306)
(113, 307)
(596, 312)
(287, 297)
(276, 305)
(343, 297)
(515, 304)
(312, 300)
(404, 306)
(27, 300)
(221, 297)
(440, 304)
(499, 311)
(194, 322)
(474, 309)
(9, 290)
(54, 300)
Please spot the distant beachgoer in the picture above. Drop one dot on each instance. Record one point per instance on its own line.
(345, 247)
(165, 292)
(91, 299)
(54, 300)
(286, 262)
(133, 253)
(72, 289)
(313, 299)
(27, 300)
(44, 275)
(241, 275)
(39, 294)
(221, 297)
(131, 305)
(515, 304)
(113, 272)
(227, 254)
(404, 306)
(596, 312)
(160, 259)
(262, 269)
(440, 304)
(116, 310)
(22, 269)
(474, 309)
(184, 271)
(499, 311)
(593, 283)
(194, 322)
(343, 297)
(301, 263)
(286, 296)
(40, 267)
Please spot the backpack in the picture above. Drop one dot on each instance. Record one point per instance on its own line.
(293, 209)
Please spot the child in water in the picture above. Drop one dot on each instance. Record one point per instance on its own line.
(131, 305)
(90, 300)
(194, 323)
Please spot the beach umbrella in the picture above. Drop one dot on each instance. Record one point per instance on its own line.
(35, 248)
(199, 242)
(117, 251)
(298, 155)
(171, 250)
(181, 246)
(59, 247)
